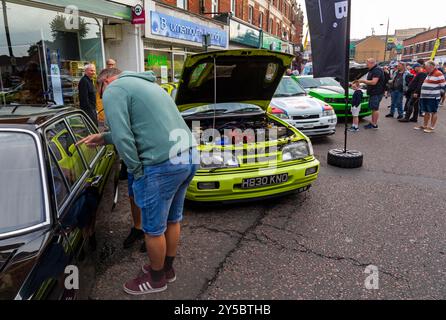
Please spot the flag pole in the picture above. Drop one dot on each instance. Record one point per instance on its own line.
(347, 73)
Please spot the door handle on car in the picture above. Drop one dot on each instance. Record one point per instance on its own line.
(96, 181)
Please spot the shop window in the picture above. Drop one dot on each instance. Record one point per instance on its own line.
(42, 57)
(160, 62)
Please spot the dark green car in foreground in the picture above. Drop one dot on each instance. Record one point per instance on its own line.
(331, 92)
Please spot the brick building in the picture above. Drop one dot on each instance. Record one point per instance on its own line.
(177, 28)
(373, 47)
(281, 21)
(422, 45)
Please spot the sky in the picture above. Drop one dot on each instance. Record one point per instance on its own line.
(368, 14)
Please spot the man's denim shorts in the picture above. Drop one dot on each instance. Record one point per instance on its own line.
(429, 105)
(375, 101)
(130, 180)
(161, 192)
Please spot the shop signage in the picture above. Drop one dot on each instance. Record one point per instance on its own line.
(244, 34)
(138, 15)
(271, 43)
(171, 27)
(156, 61)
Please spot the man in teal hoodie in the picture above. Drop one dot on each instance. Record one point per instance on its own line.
(158, 148)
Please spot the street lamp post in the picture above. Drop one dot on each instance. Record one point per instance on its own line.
(387, 38)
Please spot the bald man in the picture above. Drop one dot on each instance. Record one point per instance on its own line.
(376, 87)
(87, 93)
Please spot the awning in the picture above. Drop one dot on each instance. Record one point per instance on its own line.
(97, 7)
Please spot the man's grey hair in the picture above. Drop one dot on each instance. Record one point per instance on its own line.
(108, 73)
(89, 66)
(431, 63)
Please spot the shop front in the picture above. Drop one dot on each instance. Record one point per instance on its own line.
(242, 35)
(270, 42)
(172, 34)
(44, 47)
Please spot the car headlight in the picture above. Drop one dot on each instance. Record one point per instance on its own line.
(298, 150)
(328, 113)
(280, 113)
(216, 160)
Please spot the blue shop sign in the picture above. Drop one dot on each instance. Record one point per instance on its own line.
(171, 27)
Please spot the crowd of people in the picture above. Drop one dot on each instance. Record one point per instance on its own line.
(415, 90)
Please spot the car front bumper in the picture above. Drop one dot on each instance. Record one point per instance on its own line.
(318, 127)
(230, 183)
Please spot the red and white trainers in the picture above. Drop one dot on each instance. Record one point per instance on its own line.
(145, 284)
(170, 274)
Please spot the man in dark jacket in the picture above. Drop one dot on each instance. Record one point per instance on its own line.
(87, 93)
(396, 87)
(414, 91)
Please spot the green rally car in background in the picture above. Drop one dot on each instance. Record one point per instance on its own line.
(331, 92)
(251, 153)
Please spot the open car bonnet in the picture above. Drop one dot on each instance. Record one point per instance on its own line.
(249, 76)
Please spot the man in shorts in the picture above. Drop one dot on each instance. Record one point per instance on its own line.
(141, 117)
(430, 96)
(375, 89)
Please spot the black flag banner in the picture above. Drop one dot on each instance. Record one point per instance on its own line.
(328, 22)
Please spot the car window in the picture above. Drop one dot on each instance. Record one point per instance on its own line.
(60, 189)
(81, 130)
(288, 88)
(21, 192)
(328, 82)
(308, 83)
(71, 163)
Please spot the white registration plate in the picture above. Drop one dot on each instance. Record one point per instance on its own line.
(251, 183)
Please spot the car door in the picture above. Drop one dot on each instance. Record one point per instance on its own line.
(75, 205)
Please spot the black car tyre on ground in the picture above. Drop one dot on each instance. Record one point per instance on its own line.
(348, 160)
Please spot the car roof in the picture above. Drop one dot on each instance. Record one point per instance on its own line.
(30, 115)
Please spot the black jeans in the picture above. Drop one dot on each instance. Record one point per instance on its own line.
(413, 107)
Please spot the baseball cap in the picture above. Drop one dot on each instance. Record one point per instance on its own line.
(416, 65)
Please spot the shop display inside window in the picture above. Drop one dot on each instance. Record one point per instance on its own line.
(42, 58)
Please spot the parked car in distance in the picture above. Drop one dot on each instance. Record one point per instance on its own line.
(51, 193)
(331, 91)
(310, 115)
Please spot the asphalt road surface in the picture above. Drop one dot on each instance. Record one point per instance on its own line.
(389, 214)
